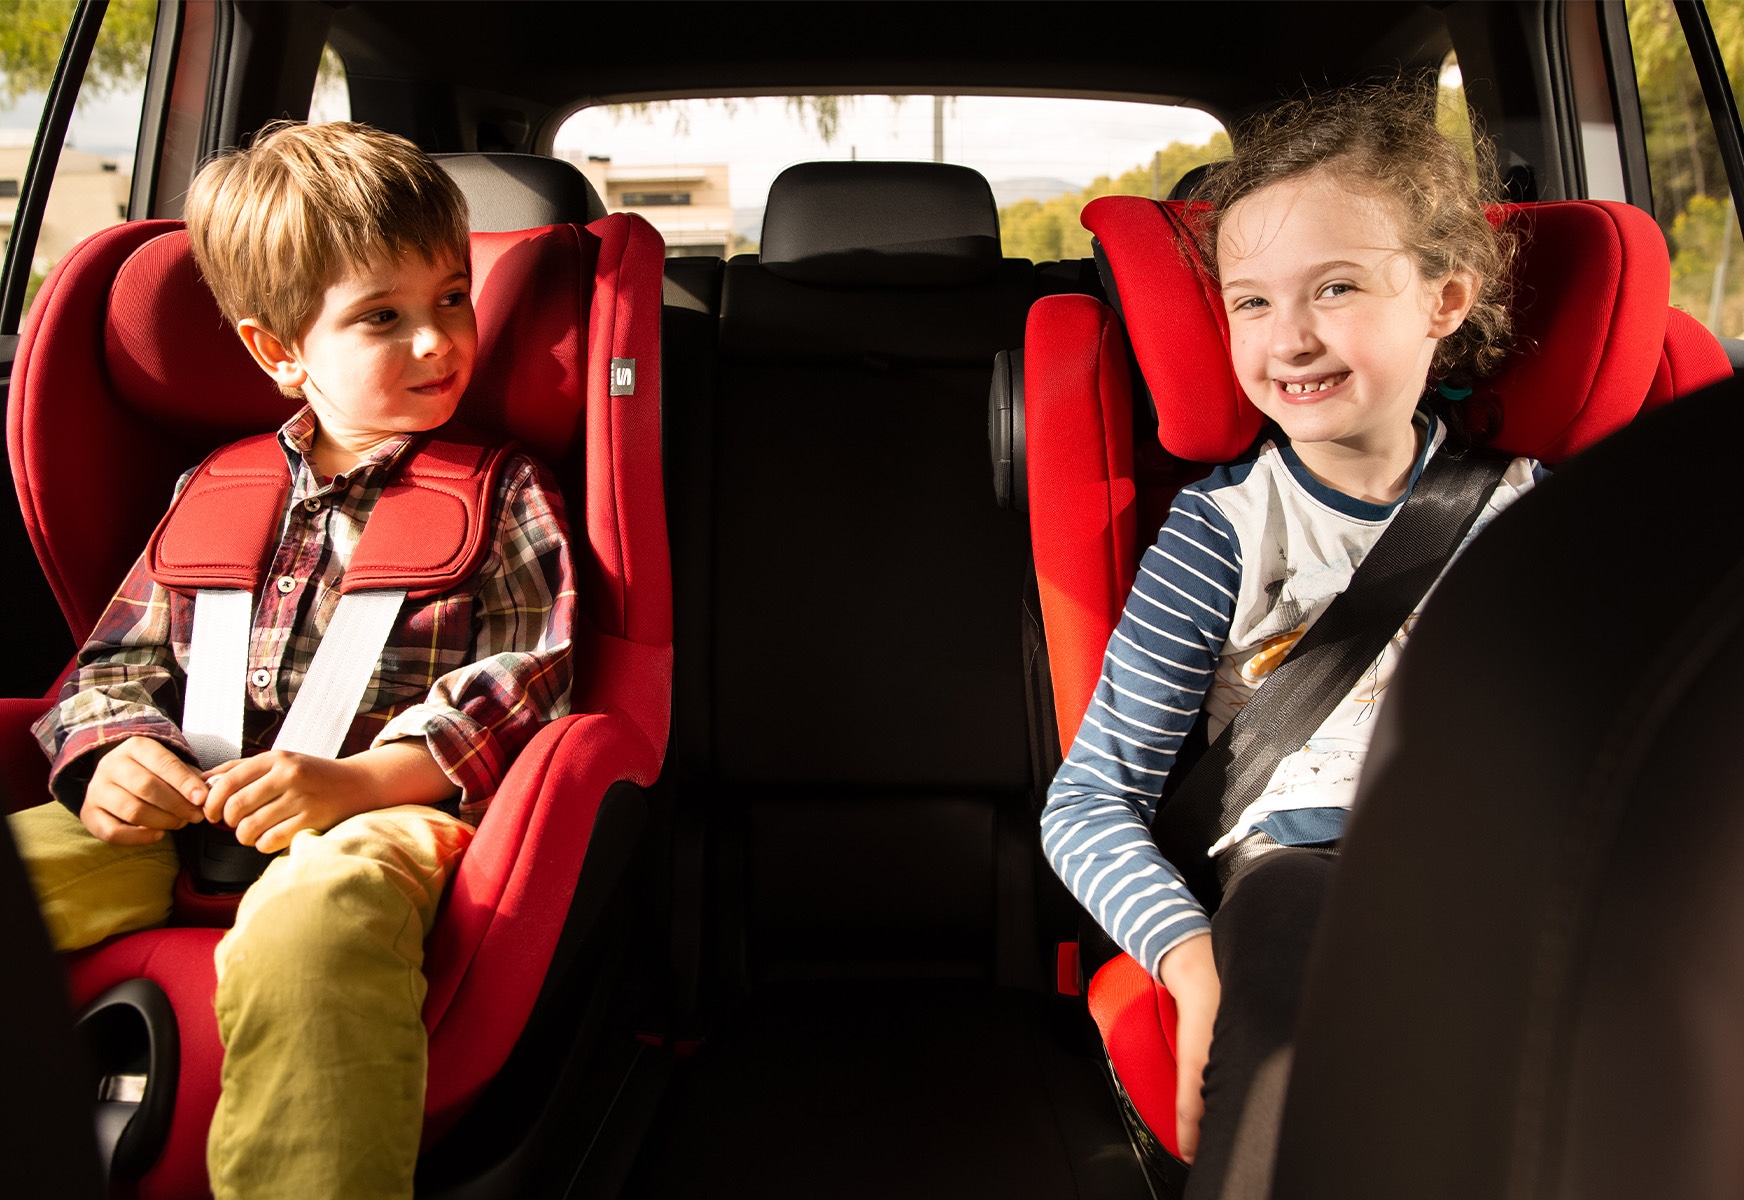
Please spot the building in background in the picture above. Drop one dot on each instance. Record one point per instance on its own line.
(687, 204)
(90, 193)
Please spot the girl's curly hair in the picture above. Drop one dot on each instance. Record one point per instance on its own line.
(1382, 139)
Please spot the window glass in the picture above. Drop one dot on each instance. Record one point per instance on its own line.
(94, 177)
(1691, 199)
(331, 100)
(699, 170)
(1452, 116)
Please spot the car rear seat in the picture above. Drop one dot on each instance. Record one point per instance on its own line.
(849, 707)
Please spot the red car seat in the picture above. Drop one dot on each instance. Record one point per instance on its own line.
(1596, 347)
(126, 375)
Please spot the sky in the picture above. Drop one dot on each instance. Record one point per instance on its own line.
(1003, 137)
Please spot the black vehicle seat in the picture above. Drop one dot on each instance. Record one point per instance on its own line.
(850, 753)
(1527, 979)
(506, 192)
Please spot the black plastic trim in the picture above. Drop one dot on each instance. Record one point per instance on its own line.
(1722, 108)
(166, 44)
(129, 1027)
(45, 156)
(1626, 103)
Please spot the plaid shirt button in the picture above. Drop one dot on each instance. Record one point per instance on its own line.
(261, 678)
(287, 584)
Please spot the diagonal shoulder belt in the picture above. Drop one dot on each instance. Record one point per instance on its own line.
(1326, 664)
(429, 531)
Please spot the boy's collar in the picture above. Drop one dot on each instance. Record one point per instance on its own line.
(297, 437)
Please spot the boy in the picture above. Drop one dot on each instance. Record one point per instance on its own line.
(340, 255)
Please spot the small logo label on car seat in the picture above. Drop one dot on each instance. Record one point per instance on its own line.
(623, 377)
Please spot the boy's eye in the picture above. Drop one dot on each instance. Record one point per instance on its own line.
(381, 316)
(456, 299)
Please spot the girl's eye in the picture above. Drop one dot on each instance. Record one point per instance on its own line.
(1333, 290)
(1248, 304)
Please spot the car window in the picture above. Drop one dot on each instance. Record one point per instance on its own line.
(700, 170)
(1691, 199)
(93, 179)
(331, 100)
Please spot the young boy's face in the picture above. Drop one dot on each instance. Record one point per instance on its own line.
(389, 351)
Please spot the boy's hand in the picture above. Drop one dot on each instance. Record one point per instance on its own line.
(269, 797)
(140, 789)
(1190, 974)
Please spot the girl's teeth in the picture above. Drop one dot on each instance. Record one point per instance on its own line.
(1299, 389)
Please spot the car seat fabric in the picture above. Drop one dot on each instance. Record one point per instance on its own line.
(126, 375)
(849, 556)
(1591, 290)
(1569, 1027)
(506, 191)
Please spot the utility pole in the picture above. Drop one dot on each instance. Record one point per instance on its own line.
(938, 129)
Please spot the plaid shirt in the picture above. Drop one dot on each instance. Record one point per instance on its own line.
(474, 672)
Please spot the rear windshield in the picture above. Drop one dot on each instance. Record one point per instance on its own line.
(700, 169)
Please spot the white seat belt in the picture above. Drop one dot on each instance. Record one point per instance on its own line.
(325, 704)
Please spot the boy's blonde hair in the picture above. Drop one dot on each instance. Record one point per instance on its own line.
(273, 225)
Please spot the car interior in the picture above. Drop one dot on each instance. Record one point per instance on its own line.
(768, 915)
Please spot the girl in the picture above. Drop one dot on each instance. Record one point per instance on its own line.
(1364, 291)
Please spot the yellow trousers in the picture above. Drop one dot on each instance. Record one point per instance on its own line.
(320, 988)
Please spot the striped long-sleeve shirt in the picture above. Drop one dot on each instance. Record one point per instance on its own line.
(1247, 560)
(473, 672)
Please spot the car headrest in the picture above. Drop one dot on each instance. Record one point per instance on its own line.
(522, 191)
(174, 360)
(881, 224)
(1592, 285)
(172, 357)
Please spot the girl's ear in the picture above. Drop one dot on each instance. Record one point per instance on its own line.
(275, 358)
(1453, 296)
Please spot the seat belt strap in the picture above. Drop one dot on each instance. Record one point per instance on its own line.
(217, 671)
(344, 663)
(1325, 665)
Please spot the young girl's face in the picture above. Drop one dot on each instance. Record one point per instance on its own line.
(1331, 326)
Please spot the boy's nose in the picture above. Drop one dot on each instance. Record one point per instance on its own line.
(430, 340)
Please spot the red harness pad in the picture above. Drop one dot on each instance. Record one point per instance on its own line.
(429, 530)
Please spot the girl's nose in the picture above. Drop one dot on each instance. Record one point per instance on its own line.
(1293, 335)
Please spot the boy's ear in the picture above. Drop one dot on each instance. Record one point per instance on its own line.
(1454, 294)
(274, 357)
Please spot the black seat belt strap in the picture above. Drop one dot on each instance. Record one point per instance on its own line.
(1326, 664)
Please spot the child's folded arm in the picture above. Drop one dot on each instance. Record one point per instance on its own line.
(127, 683)
(1161, 660)
(477, 718)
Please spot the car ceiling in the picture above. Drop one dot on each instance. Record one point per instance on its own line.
(1226, 57)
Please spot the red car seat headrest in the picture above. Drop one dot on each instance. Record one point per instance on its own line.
(881, 224)
(1591, 290)
(172, 357)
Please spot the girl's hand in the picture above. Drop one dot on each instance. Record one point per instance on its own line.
(139, 790)
(1190, 974)
(270, 797)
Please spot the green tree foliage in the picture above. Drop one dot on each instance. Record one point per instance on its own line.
(32, 33)
(1047, 231)
(1683, 157)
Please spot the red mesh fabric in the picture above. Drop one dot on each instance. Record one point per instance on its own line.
(1691, 360)
(23, 769)
(180, 962)
(1078, 443)
(1591, 294)
(1179, 332)
(1136, 1016)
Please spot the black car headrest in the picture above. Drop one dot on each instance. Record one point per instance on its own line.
(881, 224)
(522, 191)
(1189, 183)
